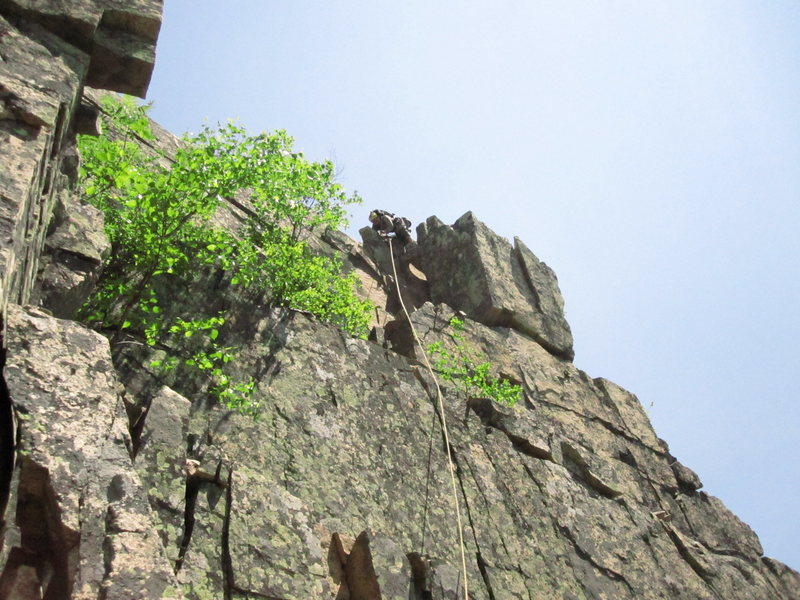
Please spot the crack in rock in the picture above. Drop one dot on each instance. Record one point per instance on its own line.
(195, 478)
(479, 557)
(691, 551)
(584, 555)
(571, 454)
(490, 416)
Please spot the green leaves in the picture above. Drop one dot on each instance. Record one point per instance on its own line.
(291, 198)
(469, 369)
(159, 214)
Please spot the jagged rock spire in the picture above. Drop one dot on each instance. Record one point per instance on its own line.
(471, 268)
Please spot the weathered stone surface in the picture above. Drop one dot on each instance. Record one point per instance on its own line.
(473, 269)
(39, 81)
(49, 50)
(74, 19)
(161, 462)
(378, 568)
(788, 579)
(687, 479)
(73, 257)
(73, 518)
(121, 61)
(373, 283)
(120, 36)
(83, 520)
(568, 494)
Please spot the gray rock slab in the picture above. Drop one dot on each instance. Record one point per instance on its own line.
(79, 505)
(119, 36)
(39, 82)
(342, 485)
(73, 257)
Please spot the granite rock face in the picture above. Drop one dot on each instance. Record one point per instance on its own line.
(78, 520)
(473, 269)
(73, 257)
(340, 489)
(118, 36)
(40, 81)
(75, 522)
(48, 51)
(413, 285)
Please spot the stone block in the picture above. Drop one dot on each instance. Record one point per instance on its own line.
(473, 269)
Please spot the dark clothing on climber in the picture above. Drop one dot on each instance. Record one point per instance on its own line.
(385, 223)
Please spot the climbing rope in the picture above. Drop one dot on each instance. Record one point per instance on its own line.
(444, 422)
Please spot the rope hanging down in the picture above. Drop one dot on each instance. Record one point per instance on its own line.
(444, 423)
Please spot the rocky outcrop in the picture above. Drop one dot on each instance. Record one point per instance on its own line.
(78, 523)
(473, 269)
(340, 487)
(411, 282)
(73, 257)
(74, 520)
(40, 82)
(117, 36)
(48, 51)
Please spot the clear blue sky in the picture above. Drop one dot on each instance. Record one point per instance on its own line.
(649, 152)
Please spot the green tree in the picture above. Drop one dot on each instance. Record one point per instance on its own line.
(160, 213)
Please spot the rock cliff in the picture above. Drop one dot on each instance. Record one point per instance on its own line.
(120, 482)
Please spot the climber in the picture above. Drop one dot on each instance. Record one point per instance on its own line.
(385, 223)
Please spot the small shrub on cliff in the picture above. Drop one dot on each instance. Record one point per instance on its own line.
(470, 371)
(159, 216)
